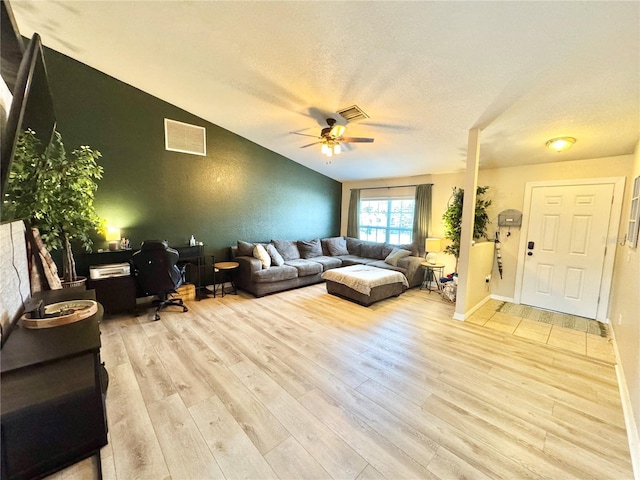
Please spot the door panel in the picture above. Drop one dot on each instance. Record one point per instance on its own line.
(543, 283)
(549, 233)
(567, 230)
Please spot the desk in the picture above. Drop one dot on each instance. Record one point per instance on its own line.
(430, 270)
(117, 294)
(52, 404)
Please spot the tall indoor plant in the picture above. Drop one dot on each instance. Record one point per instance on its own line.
(54, 192)
(452, 219)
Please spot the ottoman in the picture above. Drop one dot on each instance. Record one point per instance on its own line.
(364, 284)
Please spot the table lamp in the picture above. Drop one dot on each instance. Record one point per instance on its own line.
(113, 237)
(431, 247)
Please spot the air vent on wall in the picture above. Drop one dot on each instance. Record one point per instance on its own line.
(185, 138)
(352, 113)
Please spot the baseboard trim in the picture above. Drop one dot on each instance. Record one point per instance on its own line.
(503, 299)
(462, 316)
(627, 410)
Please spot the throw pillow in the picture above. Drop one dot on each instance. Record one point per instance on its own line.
(407, 246)
(336, 246)
(372, 250)
(353, 246)
(310, 249)
(261, 254)
(287, 248)
(276, 258)
(395, 255)
(245, 249)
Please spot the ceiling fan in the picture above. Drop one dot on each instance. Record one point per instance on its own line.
(331, 137)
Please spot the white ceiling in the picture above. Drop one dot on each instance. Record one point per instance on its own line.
(424, 72)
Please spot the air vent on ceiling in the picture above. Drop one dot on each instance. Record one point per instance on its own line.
(352, 113)
(185, 138)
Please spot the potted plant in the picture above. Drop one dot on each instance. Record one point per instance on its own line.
(452, 219)
(54, 192)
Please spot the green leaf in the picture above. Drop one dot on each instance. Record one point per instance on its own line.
(54, 192)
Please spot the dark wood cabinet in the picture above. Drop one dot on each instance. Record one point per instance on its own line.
(116, 294)
(53, 384)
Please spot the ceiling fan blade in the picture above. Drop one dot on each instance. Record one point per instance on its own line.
(305, 135)
(314, 143)
(356, 140)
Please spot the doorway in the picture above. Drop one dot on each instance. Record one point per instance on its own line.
(568, 245)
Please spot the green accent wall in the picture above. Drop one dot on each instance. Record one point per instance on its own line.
(239, 191)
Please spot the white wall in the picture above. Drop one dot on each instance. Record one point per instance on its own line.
(507, 188)
(507, 192)
(624, 306)
(14, 271)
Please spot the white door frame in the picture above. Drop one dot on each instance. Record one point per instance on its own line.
(610, 237)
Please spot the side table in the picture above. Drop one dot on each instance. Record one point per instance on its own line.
(430, 270)
(226, 270)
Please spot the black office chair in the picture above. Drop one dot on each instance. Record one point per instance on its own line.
(157, 273)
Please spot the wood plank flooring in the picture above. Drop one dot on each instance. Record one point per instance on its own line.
(305, 385)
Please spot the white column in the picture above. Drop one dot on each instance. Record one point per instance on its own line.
(468, 217)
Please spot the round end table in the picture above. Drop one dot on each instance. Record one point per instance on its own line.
(225, 269)
(430, 274)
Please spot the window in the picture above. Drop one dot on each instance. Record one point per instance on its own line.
(387, 220)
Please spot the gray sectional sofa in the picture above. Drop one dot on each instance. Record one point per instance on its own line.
(302, 262)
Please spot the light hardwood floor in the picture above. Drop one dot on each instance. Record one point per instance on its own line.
(304, 385)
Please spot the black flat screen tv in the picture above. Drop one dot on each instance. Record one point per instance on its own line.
(31, 108)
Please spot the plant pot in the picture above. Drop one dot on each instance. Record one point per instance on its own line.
(79, 282)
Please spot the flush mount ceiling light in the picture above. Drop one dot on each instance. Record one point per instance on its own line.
(560, 144)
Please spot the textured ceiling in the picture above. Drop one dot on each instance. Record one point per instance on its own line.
(424, 72)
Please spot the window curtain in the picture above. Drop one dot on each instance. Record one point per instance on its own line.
(422, 215)
(353, 220)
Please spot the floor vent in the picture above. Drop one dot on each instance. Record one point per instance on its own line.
(185, 138)
(352, 113)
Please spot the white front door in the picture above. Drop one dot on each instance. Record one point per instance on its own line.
(566, 247)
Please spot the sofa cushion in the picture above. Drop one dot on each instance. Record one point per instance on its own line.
(372, 250)
(276, 258)
(327, 262)
(353, 246)
(245, 249)
(354, 260)
(287, 248)
(395, 255)
(386, 266)
(335, 246)
(274, 274)
(310, 249)
(304, 267)
(261, 254)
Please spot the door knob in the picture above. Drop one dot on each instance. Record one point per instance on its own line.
(529, 253)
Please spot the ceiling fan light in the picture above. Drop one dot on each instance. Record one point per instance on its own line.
(325, 148)
(337, 130)
(337, 149)
(560, 144)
